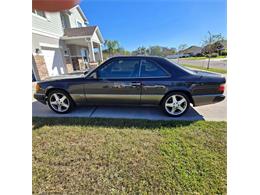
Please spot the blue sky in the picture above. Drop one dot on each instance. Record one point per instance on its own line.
(156, 22)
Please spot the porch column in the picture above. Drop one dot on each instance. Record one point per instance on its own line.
(100, 53)
(91, 52)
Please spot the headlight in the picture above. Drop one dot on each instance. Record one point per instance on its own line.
(37, 88)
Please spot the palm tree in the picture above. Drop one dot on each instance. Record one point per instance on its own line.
(111, 45)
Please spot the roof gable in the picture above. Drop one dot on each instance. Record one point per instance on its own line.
(192, 49)
(81, 13)
(87, 31)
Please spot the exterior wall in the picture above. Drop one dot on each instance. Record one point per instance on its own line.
(51, 24)
(35, 75)
(37, 39)
(47, 33)
(39, 67)
(43, 42)
(74, 17)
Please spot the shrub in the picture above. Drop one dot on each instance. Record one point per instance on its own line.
(213, 55)
(223, 53)
(199, 55)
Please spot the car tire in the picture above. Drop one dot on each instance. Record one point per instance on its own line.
(60, 101)
(175, 104)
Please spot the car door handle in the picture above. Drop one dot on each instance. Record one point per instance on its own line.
(136, 84)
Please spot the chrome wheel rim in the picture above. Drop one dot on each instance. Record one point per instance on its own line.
(176, 104)
(59, 102)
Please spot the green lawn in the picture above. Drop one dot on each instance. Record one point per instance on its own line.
(119, 156)
(203, 58)
(218, 70)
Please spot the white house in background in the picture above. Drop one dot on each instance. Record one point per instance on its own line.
(63, 42)
(189, 52)
(192, 50)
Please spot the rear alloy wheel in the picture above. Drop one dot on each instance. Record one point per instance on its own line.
(176, 104)
(59, 102)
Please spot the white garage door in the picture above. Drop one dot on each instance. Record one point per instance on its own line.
(54, 61)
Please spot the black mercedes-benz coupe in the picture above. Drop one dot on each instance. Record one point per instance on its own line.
(133, 80)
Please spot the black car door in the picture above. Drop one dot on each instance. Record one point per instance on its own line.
(155, 80)
(117, 82)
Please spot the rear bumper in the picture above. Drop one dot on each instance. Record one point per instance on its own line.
(200, 100)
(40, 97)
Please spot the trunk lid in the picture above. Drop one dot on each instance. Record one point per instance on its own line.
(210, 76)
(207, 74)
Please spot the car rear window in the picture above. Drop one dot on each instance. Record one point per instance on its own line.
(151, 69)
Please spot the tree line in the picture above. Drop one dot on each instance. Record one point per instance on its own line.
(212, 46)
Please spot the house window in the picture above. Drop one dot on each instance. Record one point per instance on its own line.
(65, 21)
(79, 24)
(39, 13)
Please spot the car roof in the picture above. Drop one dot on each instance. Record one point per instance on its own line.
(137, 56)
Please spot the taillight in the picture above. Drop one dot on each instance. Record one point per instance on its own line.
(221, 88)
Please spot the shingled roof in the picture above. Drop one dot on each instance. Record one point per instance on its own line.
(81, 31)
(192, 49)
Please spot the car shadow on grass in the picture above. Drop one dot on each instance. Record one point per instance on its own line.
(119, 123)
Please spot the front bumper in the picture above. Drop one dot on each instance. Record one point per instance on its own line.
(200, 100)
(40, 97)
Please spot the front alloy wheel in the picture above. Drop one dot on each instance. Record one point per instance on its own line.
(176, 104)
(59, 102)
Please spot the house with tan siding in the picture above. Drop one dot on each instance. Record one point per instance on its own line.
(63, 42)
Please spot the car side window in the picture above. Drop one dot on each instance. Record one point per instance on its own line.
(151, 69)
(123, 68)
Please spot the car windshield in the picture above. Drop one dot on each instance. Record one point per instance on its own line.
(182, 67)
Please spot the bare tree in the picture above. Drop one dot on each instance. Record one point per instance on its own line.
(180, 49)
(210, 46)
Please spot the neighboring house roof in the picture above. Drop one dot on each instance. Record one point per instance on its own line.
(192, 49)
(224, 42)
(87, 31)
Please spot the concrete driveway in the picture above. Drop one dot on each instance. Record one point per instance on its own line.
(213, 112)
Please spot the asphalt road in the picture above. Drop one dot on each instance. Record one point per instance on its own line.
(214, 63)
(213, 112)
